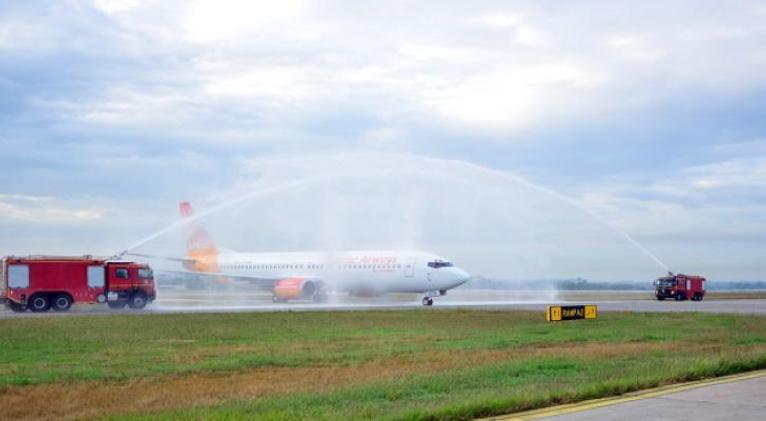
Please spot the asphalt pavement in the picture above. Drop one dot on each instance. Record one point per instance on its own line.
(185, 301)
(741, 398)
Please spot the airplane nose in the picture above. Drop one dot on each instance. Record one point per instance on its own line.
(461, 276)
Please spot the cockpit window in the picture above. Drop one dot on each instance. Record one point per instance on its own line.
(145, 273)
(436, 264)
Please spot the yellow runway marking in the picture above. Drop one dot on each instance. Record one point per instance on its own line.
(628, 397)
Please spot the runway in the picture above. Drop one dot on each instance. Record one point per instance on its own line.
(741, 397)
(185, 301)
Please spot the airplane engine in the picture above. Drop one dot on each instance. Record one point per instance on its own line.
(292, 288)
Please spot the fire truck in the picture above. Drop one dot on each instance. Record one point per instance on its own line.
(40, 283)
(680, 287)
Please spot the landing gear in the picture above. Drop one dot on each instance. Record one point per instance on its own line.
(428, 298)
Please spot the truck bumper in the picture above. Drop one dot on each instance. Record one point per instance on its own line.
(113, 296)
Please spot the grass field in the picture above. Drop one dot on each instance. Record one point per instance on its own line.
(431, 364)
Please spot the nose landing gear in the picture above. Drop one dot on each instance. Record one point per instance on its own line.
(428, 299)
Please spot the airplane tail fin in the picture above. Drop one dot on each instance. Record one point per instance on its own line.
(199, 244)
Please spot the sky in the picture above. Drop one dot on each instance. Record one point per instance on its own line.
(648, 117)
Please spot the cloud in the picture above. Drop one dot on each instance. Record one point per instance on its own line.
(524, 33)
(116, 6)
(45, 210)
(739, 149)
(25, 198)
(737, 169)
(514, 97)
(503, 20)
(743, 173)
(122, 106)
(715, 202)
(16, 35)
(444, 53)
(498, 71)
(215, 20)
(634, 49)
(633, 110)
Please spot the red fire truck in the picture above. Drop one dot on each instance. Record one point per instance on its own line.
(40, 283)
(680, 287)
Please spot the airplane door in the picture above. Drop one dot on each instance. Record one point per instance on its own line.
(409, 268)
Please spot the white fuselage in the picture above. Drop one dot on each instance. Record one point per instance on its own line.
(363, 272)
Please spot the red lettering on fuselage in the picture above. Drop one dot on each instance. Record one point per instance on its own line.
(370, 260)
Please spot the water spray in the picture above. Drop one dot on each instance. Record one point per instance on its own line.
(258, 193)
(577, 206)
(308, 181)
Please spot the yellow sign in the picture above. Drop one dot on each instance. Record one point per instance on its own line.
(558, 313)
(591, 312)
(553, 314)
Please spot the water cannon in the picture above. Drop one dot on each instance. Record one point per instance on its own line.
(670, 273)
(119, 256)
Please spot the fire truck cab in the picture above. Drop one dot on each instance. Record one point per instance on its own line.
(40, 283)
(680, 287)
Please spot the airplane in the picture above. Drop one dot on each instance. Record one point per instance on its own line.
(312, 275)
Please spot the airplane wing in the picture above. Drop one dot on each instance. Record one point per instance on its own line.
(218, 276)
(154, 256)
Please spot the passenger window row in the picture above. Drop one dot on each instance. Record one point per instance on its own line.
(304, 266)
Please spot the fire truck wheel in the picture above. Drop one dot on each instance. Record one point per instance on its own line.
(62, 302)
(39, 303)
(16, 307)
(116, 305)
(137, 301)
